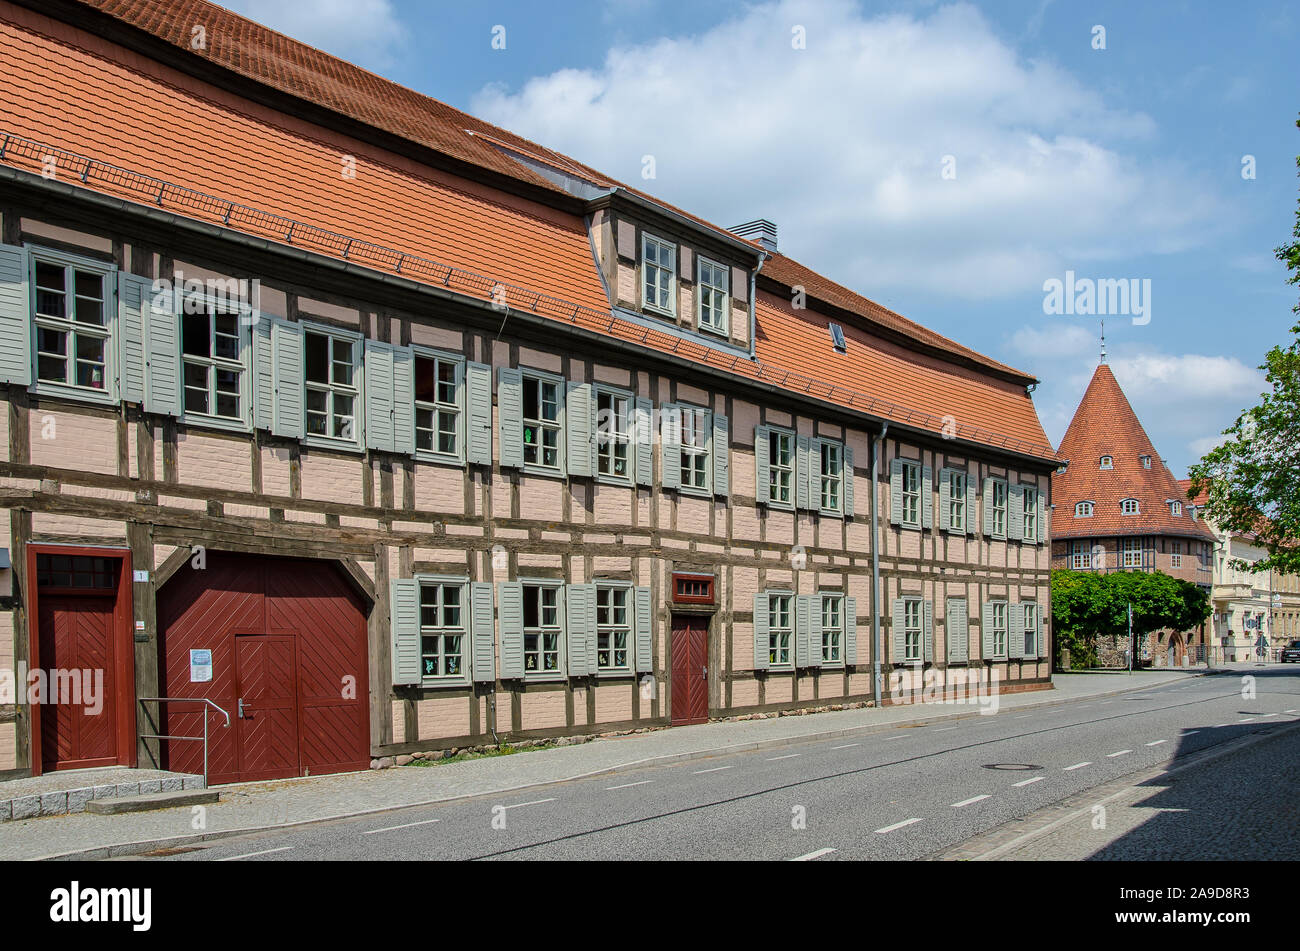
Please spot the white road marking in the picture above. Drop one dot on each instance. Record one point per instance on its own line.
(812, 855)
(407, 825)
(1076, 766)
(1026, 782)
(1120, 753)
(972, 799)
(714, 770)
(773, 759)
(629, 785)
(943, 729)
(1155, 742)
(1288, 711)
(249, 855)
(897, 825)
(1268, 714)
(1104, 702)
(845, 746)
(1023, 716)
(1191, 732)
(535, 802)
(1248, 719)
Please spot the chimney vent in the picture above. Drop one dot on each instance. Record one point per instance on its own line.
(760, 230)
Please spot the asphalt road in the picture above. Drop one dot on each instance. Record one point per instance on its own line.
(903, 794)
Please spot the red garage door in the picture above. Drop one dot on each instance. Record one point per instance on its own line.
(288, 649)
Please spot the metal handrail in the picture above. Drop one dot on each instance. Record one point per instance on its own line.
(204, 737)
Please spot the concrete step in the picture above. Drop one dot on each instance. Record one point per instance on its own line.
(145, 803)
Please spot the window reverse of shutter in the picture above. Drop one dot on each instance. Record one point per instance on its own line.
(510, 407)
(762, 647)
(510, 595)
(644, 618)
(762, 447)
(721, 455)
(578, 428)
(484, 633)
(851, 631)
(15, 317)
(404, 625)
(478, 414)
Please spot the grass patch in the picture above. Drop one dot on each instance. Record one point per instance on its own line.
(506, 750)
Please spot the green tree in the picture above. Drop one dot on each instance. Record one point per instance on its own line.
(1252, 480)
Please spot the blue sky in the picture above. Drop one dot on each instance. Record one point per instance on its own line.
(1117, 163)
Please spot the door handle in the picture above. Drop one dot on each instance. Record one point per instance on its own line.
(241, 708)
(704, 673)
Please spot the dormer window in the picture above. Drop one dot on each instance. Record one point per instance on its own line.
(713, 295)
(1146, 461)
(658, 275)
(1107, 462)
(1176, 507)
(1083, 510)
(837, 339)
(1129, 506)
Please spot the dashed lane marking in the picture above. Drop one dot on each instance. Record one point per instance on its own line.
(1117, 753)
(1026, 782)
(407, 825)
(812, 855)
(971, 801)
(898, 825)
(630, 785)
(1076, 766)
(249, 855)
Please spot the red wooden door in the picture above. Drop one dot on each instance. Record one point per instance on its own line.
(266, 714)
(690, 683)
(76, 648)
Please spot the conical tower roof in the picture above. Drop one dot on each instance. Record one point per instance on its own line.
(1104, 426)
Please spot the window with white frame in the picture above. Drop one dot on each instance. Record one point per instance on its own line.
(1031, 629)
(713, 295)
(443, 640)
(212, 359)
(999, 613)
(780, 629)
(780, 467)
(1131, 552)
(72, 312)
(695, 448)
(912, 633)
(332, 392)
(1030, 522)
(613, 628)
(1176, 555)
(831, 479)
(999, 508)
(956, 500)
(612, 438)
(437, 404)
(658, 274)
(1177, 508)
(832, 629)
(1107, 462)
(542, 630)
(1083, 510)
(911, 493)
(1146, 461)
(1080, 556)
(541, 421)
(1129, 506)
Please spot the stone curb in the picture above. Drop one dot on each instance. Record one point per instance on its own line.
(62, 802)
(149, 845)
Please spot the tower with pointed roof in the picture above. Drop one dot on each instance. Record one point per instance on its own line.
(1118, 507)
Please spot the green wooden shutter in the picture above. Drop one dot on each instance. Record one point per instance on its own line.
(593, 642)
(263, 374)
(404, 399)
(510, 407)
(1044, 648)
(1015, 512)
(643, 410)
(483, 638)
(578, 429)
(848, 480)
(287, 342)
(927, 497)
(510, 595)
(969, 527)
(15, 317)
(988, 508)
(956, 625)
(898, 626)
(815, 631)
(802, 608)
(986, 632)
(404, 624)
(721, 450)
(927, 640)
(945, 500)
(896, 491)
(478, 414)
(671, 443)
(579, 614)
(644, 619)
(134, 298)
(762, 448)
(1042, 524)
(1015, 630)
(379, 396)
(851, 631)
(802, 471)
(162, 353)
(762, 647)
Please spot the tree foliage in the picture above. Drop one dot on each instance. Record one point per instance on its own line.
(1252, 480)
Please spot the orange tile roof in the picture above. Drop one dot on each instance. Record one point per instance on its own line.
(1105, 425)
(67, 89)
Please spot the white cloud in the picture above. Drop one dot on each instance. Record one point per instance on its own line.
(843, 144)
(1167, 378)
(366, 32)
(1055, 342)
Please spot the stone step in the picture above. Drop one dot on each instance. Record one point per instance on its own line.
(145, 803)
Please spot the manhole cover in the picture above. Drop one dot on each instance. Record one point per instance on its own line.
(1011, 766)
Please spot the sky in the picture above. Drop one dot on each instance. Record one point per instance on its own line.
(948, 160)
